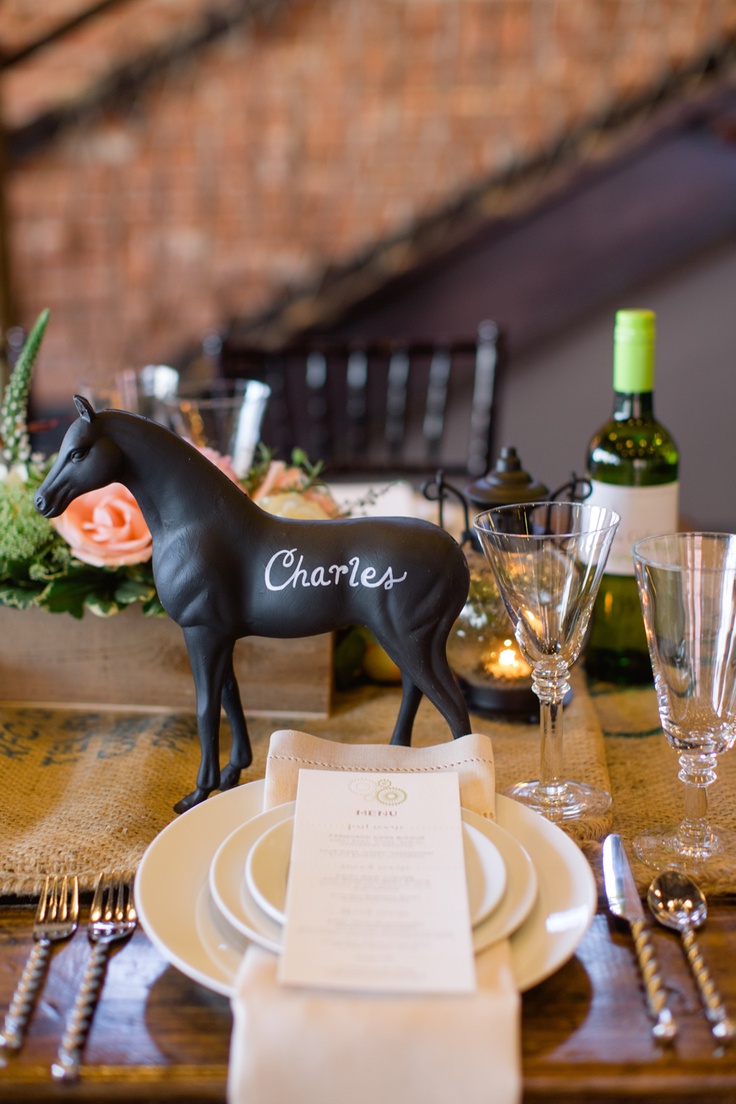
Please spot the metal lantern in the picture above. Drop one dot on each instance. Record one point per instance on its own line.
(482, 650)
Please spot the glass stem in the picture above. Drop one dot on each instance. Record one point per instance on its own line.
(550, 682)
(697, 772)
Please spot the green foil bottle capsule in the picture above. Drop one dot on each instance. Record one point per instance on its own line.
(632, 463)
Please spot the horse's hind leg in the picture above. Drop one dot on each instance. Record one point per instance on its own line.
(241, 755)
(439, 685)
(410, 700)
(444, 692)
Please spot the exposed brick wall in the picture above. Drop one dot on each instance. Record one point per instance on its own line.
(286, 147)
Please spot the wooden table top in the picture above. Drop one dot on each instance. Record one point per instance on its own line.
(157, 1036)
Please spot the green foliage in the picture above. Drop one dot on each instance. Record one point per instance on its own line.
(258, 469)
(31, 551)
(299, 459)
(16, 445)
(101, 590)
(313, 472)
(24, 534)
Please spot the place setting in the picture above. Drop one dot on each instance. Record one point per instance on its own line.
(211, 889)
(195, 886)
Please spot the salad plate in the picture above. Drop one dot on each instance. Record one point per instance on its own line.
(267, 870)
(235, 901)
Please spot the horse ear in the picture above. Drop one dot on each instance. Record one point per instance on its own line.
(84, 408)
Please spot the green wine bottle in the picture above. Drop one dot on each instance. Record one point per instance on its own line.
(633, 466)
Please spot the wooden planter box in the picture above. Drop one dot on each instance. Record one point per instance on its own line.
(130, 661)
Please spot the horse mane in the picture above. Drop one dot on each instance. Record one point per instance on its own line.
(156, 457)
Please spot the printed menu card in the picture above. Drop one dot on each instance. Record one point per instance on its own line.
(377, 896)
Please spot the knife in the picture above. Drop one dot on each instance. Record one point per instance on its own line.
(625, 903)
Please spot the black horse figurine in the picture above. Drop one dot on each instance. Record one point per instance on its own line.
(225, 569)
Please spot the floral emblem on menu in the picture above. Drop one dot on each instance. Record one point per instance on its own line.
(383, 790)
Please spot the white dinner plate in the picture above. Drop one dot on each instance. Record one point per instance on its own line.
(267, 870)
(235, 901)
(177, 913)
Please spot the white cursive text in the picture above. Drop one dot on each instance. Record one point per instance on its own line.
(323, 576)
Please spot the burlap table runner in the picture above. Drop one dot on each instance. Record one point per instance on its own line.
(89, 791)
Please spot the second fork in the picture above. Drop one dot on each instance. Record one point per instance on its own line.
(112, 917)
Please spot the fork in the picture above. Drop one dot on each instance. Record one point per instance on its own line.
(57, 916)
(112, 917)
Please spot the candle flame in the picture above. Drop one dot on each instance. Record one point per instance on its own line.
(505, 662)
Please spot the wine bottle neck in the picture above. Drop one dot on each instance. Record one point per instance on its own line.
(633, 351)
(639, 404)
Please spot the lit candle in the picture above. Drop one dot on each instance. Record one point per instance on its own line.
(506, 663)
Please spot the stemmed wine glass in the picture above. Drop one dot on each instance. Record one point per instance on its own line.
(221, 414)
(548, 559)
(687, 587)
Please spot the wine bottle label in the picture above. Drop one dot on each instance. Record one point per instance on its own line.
(645, 512)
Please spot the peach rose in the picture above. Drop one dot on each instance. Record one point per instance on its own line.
(278, 478)
(284, 491)
(224, 463)
(105, 528)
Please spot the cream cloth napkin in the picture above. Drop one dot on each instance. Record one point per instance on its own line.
(471, 757)
(296, 1046)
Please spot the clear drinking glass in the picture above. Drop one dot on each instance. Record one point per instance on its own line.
(142, 391)
(224, 415)
(548, 560)
(687, 587)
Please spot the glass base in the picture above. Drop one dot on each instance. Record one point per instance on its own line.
(574, 800)
(665, 848)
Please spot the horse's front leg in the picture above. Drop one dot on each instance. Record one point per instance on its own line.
(209, 656)
(241, 755)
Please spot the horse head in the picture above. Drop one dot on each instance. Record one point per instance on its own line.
(87, 459)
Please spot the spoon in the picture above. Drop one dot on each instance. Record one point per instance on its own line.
(677, 902)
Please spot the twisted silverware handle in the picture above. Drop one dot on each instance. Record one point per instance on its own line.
(66, 1067)
(24, 997)
(722, 1026)
(665, 1027)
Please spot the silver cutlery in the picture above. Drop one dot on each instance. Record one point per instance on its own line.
(678, 903)
(112, 917)
(57, 916)
(625, 903)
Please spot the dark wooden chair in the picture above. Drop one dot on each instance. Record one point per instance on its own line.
(381, 407)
